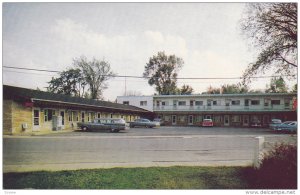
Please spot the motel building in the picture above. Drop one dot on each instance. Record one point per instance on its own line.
(27, 111)
(235, 110)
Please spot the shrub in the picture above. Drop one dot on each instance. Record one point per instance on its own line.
(278, 168)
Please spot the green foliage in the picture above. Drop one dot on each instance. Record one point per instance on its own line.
(278, 169)
(131, 178)
(95, 74)
(227, 89)
(272, 27)
(162, 71)
(185, 90)
(277, 86)
(91, 75)
(70, 82)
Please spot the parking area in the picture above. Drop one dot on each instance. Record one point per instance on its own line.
(176, 131)
(138, 147)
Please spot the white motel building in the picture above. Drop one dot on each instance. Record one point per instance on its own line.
(239, 110)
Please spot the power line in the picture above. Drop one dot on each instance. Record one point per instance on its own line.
(140, 77)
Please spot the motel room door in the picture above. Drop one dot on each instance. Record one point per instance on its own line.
(226, 120)
(36, 119)
(191, 120)
(174, 119)
(62, 114)
(246, 120)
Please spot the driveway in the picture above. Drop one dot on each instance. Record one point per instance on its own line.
(139, 147)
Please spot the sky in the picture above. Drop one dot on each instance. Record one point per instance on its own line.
(50, 35)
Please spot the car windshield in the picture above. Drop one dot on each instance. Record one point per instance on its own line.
(287, 122)
(207, 120)
(276, 121)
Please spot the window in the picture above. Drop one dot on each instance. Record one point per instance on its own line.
(182, 118)
(215, 102)
(199, 118)
(217, 119)
(255, 102)
(199, 103)
(143, 103)
(48, 114)
(163, 103)
(275, 102)
(98, 115)
(111, 115)
(167, 118)
(235, 102)
(126, 102)
(181, 103)
(236, 118)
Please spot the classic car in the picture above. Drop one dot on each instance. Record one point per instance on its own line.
(207, 123)
(287, 126)
(274, 123)
(144, 123)
(111, 124)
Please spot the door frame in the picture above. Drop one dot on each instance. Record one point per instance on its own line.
(174, 117)
(226, 124)
(190, 117)
(36, 127)
(63, 121)
(246, 117)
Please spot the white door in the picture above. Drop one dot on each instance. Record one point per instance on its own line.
(62, 114)
(191, 119)
(226, 120)
(174, 119)
(36, 119)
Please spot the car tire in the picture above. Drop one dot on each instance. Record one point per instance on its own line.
(84, 128)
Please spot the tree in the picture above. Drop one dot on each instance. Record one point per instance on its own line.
(186, 90)
(95, 74)
(277, 85)
(212, 90)
(294, 89)
(161, 71)
(234, 88)
(70, 82)
(273, 29)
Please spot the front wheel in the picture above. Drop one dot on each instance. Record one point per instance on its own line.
(84, 128)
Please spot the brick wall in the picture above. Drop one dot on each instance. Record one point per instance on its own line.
(7, 119)
(20, 115)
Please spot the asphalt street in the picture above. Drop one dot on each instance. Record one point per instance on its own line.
(165, 146)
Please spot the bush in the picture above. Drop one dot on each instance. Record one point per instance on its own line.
(278, 169)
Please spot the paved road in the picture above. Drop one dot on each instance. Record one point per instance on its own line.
(139, 147)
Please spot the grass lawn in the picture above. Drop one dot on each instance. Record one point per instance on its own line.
(177, 177)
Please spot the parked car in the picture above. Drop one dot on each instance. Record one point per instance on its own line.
(255, 123)
(113, 125)
(144, 123)
(274, 123)
(287, 126)
(207, 123)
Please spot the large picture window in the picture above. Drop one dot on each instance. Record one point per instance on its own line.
(48, 114)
